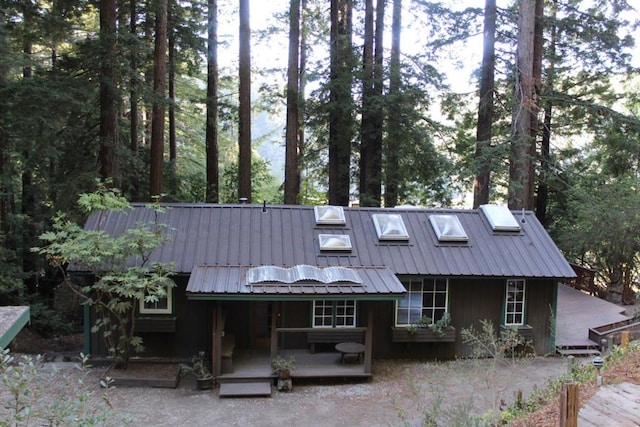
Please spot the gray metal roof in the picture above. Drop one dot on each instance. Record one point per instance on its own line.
(285, 236)
(232, 282)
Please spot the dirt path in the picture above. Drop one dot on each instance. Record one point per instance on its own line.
(449, 389)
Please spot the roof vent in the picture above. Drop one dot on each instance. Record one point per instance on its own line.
(448, 228)
(500, 218)
(390, 227)
(334, 242)
(329, 215)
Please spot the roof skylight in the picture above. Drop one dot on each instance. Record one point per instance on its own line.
(334, 242)
(302, 273)
(500, 218)
(390, 227)
(448, 228)
(329, 215)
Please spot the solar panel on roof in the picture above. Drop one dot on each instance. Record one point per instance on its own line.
(500, 218)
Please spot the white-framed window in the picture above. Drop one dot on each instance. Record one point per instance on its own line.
(161, 306)
(515, 300)
(426, 297)
(329, 314)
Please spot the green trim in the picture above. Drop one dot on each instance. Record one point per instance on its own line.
(287, 297)
(15, 327)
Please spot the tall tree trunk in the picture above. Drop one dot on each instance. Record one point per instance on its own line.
(367, 125)
(157, 119)
(520, 178)
(4, 72)
(133, 89)
(173, 148)
(244, 132)
(482, 181)
(341, 103)
(392, 166)
(108, 94)
(538, 42)
(302, 84)
(212, 103)
(378, 110)
(292, 143)
(545, 146)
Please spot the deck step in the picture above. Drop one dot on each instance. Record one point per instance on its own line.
(578, 352)
(248, 389)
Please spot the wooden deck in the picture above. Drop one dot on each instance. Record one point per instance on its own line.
(612, 406)
(250, 365)
(577, 313)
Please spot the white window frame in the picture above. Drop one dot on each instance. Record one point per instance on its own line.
(331, 311)
(414, 300)
(515, 302)
(152, 307)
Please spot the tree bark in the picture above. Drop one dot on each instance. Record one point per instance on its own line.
(482, 181)
(133, 90)
(367, 130)
(158, 111)
(392, 166)
(108, 103)
(212, 191)
(292, 134)
(4, 71)
(341, 103)
(520, 179)
(173, 147)
(244, 131)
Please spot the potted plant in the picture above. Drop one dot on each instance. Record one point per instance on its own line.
(282, 367)
(204, 378)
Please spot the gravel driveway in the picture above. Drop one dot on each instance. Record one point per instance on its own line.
(398, 387)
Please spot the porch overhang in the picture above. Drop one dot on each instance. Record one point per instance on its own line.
(232, 284)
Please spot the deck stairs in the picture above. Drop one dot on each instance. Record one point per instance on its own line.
(578, 350)
(245, 389)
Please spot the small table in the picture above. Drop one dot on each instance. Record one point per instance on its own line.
(350, 348)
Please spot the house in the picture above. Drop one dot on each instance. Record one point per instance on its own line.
(257, 280)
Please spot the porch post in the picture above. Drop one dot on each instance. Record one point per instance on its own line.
(274, 332)
(216, 354)
(368, 338)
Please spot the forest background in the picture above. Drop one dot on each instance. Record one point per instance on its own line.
(313, 102)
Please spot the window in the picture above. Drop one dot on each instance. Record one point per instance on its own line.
(425, 297)
(390, 227)
(329, 314)
(500, 218)
(448, 228)
(161, 306)
(334, 242)
(514, 307)
(329, 215)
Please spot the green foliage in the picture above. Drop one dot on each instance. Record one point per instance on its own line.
(488, 343)
(121, 267)
(32, 396)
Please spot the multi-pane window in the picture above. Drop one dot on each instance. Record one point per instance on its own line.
(514, 307)
(425, 297)
(162, 306)
(329, 314)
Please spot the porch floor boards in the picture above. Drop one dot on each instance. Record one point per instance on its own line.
(577, 312)
(251, 365)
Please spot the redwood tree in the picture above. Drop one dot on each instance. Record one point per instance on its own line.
(341, 103)
(157, 120)
(108, 93)
(212, 191)
(244, 119)
(292, 136)
(482, 181)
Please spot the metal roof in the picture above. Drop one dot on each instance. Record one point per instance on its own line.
(230, 282)
(285, 236)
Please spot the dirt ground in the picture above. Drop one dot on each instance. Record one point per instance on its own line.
(396, 395)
